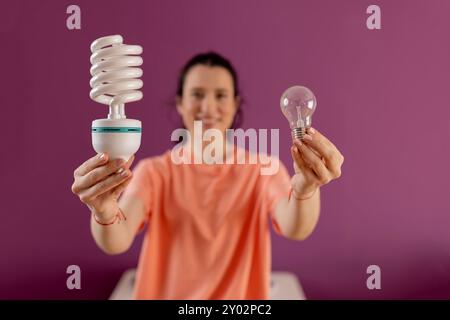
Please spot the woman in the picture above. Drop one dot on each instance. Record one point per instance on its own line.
(208, 234)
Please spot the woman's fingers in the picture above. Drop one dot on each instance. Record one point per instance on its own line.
(91, 164)
(298, 160)
(117, 191)
(129, 162)
(316, 158)
(100, 173)
(295, 156)
(301, 166)
(333, 158)
(316, 143)
(104, 185)
(314, 162)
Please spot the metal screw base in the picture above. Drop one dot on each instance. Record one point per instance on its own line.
(298, 133)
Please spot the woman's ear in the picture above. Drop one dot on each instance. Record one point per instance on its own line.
(178, 104)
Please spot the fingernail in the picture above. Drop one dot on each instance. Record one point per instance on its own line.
(124, 173)
(307, 137)
(101, 157)
(311, 130)
(299, 142)
(120, 171)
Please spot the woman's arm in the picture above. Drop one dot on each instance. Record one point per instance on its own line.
(317, 161)
(298, 218)
(118, 237)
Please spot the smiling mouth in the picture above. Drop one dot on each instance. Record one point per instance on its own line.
(208, 121)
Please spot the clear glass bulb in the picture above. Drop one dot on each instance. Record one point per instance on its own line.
(298, 105)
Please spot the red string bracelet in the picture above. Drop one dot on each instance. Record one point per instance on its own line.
(296, 198)
(120, 216)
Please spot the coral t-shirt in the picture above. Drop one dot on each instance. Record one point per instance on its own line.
(208, 231)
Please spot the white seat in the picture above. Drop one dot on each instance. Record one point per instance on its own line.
(284, 286)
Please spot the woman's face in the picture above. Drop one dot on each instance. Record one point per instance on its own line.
(208, 96)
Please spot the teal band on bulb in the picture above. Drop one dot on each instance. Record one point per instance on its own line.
(116, 129)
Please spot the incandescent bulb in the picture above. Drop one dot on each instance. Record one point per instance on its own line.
(298, 105)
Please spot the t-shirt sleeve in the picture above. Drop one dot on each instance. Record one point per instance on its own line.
(140, 186)
(277, 187)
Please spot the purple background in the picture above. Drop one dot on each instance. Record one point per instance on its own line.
(382, 100)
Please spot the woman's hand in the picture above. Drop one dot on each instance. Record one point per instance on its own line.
(316, 162)
(99, 183)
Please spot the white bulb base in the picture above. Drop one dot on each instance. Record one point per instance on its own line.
(119, 138)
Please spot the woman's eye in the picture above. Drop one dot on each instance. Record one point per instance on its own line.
(221, 96)
(197, 95)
